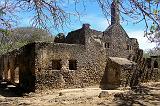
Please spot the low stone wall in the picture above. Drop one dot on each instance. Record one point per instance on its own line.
(145, 70)
(149, 72)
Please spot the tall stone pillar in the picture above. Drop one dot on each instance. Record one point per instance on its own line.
(12, 69)
(6, 67)
(115, 12)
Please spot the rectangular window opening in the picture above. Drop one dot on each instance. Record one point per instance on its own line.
(129, 47)
(107, 45)
(72, 64)
(56, 64)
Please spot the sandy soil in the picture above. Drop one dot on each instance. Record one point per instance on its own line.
(147, 94)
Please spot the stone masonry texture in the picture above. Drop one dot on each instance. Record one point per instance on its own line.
(87, 57)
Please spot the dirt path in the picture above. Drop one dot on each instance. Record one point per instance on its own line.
(146, 95)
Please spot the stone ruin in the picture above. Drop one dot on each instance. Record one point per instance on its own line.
(86, 57)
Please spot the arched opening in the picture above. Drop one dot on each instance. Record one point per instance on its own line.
(155, 64)
(8, 71)
(9, 74)
(16, 78)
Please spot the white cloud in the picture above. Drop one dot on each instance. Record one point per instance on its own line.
(144, 43)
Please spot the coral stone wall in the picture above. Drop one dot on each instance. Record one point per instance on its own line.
(82, 62)
(117, 75)
(113, 73)
(76, 37)
(26, 64)
(19, 62)
(150, 71)
(146, 70)
(120, 45)
(89, 71)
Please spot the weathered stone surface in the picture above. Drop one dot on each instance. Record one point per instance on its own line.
(85, 59)
(103, 94)
(90, 66)
(22, 58)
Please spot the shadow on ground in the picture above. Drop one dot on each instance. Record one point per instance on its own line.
(9, 90)
(140, 95)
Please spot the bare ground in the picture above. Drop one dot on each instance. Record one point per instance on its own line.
(147, 94)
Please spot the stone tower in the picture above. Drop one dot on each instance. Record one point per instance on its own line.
(115, 12)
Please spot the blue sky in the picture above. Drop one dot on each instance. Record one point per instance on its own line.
(93, 15)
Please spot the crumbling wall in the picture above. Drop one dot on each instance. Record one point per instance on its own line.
(46, 77)
(113, 78)
(26, 63)
(89, 71)
(145, 70)
(150, 72)
(80, 36)
(1, 68)
(85, 47)
(128, 75)
(118, 74)
(8, 64)
(21, 60)
(77, 36)
(119, 43)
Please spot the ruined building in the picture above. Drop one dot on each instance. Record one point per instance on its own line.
(87, 57)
